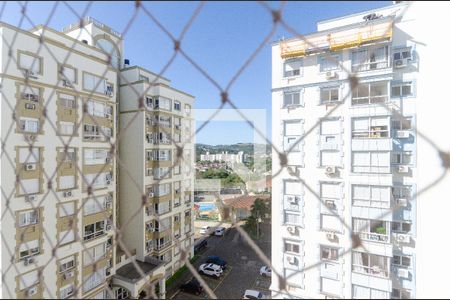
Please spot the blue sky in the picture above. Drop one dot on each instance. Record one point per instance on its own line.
(220, 40)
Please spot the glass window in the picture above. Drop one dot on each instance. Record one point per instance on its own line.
(328, 253)
(30, 63)
(329, 95)
(291, 98)
(292, 67)
(329, 63)
(27, 218)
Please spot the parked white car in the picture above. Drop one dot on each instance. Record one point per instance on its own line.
(253, 294)
(265, 271)
(211, 270)
(206, 230)
(220, 231)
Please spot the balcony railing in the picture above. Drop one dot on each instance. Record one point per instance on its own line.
(372, 270)
(372, 236)
(163, 245)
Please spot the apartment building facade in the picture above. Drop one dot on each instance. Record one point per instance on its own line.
(156, 189)
(351, 159)
(59, 126)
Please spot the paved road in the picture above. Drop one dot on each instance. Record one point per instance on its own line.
(244, 265)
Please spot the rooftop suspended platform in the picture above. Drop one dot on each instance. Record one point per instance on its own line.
(365, 33)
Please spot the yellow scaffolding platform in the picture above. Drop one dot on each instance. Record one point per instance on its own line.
(344, 39)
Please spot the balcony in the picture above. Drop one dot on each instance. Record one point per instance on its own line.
(162, 210)
(370, 264)
(161, 246)
(358, 35)
(372, 230)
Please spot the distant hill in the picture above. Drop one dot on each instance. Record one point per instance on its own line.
(247, 148)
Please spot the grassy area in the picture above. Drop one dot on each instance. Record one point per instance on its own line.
(180, 272)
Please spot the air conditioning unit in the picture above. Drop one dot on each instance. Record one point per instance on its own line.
(28, 261)
(30, 106)
(403, 169)
(108, 227)
(400, 63)
(30, 167)
(330, 75)
(108, 204)
(330, 204)
(149, 227)
(108, 272)
(177, 127)
(292, 199)
(151, 194)
(30, 198)
(66, 83)
(402, 202)
(403, 238)
(32, 291)
(67, 194)
(291, 259)
(331, 236)
(402, 273)
(291, 229)
(330, 170)
(402, 134)
(108, 159)
(108, 182)
(31, 137)
(68, 275)
(30, 73)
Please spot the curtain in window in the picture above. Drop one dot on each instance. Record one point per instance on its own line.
(361, 225)
(358, 262)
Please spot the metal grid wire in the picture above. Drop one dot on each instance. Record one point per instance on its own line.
(225, 97)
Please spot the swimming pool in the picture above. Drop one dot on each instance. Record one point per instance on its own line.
(204, 206)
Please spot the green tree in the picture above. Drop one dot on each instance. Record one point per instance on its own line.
(259, 208)
(251, 224)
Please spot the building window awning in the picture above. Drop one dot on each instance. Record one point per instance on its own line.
(353, 37)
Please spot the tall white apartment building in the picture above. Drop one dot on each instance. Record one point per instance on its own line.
(47, 206)
(156, 189)
(59, 108)
(360, 159)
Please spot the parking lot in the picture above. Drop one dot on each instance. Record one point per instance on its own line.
(243, 266)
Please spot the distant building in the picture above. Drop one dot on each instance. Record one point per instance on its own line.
(239, 208)
(224, 156)
(259, 186)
